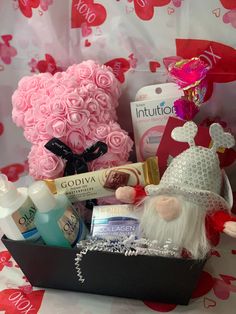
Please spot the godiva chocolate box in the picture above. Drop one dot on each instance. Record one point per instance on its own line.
(156, 278)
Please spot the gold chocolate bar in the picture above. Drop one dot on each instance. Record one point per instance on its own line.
(104, 182)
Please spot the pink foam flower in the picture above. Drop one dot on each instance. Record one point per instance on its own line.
(19, 101)
(29, 83)
(44, 164)
(119, 143)
(76, 140)
(105, 79)
(18, 117)
(31, 134)
(56, 126)
(85, 70)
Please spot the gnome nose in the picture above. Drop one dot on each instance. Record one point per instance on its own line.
(168, 208)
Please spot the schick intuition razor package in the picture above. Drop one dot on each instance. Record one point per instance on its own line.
(150, 112)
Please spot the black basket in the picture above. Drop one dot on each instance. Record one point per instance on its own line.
(155, 278)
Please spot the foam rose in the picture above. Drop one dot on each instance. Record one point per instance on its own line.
(104, 79)
(103, 99)
(74, 101)
(56, 126)
(29, 118)
(92, 106)
(101, 132)
(78, 119)
(41, 107)
(19, 102)
(76, 140)
(18, 117)
(28, 83)
(119, 143)
(31, 135)
(85, 70)
(58, 106)
(43, 164)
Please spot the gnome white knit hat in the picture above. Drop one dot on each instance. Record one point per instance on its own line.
(196, 173)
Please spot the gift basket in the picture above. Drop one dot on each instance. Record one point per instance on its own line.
(99, 221)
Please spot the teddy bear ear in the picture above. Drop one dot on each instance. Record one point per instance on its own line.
(185, 133)
(220, 138)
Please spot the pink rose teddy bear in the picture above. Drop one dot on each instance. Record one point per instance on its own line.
(78, 107)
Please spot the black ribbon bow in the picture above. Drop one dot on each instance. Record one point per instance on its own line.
(76, 163)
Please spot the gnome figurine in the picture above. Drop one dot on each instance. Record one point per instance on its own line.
(192, 203)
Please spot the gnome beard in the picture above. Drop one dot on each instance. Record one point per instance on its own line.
(171, 217)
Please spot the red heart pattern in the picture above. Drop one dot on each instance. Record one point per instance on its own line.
(153, 66)
(27, 5)
(215, 253)
(18, 302)
(228, 4)
(48, 65)
(230, 18)
(221, 289)
(209, 303)
(87, 11)
(5, 259)
(160, 307)
(227, 279)
(13, 171)
(85, 30)
(217, 55)
(145, 9)
(119, 66)
(87, 43)
(6, 50)
(1, 128)
(6, 39)
(205, 284)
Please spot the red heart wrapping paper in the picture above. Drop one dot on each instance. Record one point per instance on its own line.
(135, 37)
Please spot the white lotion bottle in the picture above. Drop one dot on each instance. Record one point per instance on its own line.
(17, 212)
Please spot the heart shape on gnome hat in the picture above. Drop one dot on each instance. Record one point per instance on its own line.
(87, 11)
(17, 302)
(119, 67)
(218, 135)
(185, 133)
